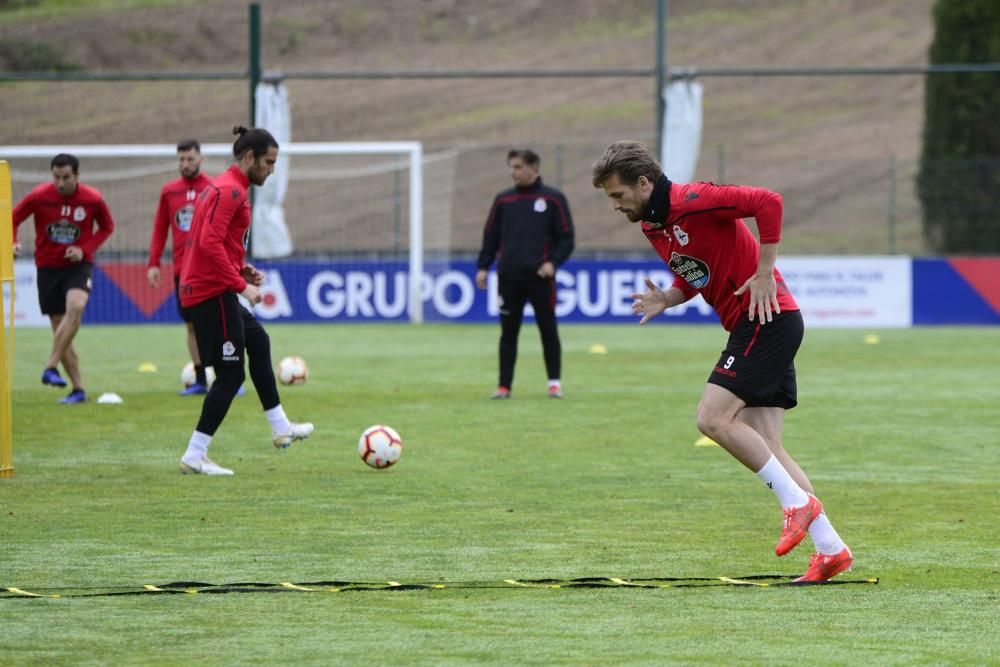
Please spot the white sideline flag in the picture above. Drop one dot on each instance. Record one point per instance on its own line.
(681, 129)
(269, 233)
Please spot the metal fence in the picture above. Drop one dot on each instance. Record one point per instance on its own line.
(841, 144)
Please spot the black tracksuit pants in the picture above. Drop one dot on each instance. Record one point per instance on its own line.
(541, 294)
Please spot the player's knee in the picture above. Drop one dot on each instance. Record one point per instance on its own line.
(709, 421)
(75, 307)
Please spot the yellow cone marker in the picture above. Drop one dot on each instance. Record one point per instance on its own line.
(705, 441)
(871, 339)
(147, 367)
(598, 348)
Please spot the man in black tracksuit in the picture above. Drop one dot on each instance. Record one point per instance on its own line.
(531, 231)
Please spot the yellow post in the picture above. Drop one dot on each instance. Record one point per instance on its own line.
(6, 332)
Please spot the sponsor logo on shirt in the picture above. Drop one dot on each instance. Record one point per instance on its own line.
(690, 196)
(183, 218)
(540, 205)
(63, 232)
(79, 214)
(694, 271)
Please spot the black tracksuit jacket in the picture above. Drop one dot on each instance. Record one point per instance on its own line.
(527, 227)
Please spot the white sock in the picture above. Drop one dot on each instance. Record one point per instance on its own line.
(197, 446)
(824, 536)
(279, 422)
(778, 480)
(555, 383)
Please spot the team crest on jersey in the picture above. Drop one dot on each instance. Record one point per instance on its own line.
(694, 271)
(63, 232)
(184, 217)
(680, 235)
(79, 214)
(540, 205)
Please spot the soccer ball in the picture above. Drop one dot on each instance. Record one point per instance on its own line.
(292, 370)
(188, 376)
(380, 446)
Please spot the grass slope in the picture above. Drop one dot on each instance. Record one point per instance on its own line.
(899, 439)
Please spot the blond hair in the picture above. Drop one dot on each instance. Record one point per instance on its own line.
(628, 159)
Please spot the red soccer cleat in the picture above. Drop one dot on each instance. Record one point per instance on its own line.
(502, 393)
(823, 567)
(796, 525)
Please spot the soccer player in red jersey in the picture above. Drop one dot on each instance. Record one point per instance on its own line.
(214, 273)
(173, 215)
(698, 230)
(71, 223)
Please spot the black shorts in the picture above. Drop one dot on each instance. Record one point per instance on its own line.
(54, 283)
(184, 312)
(220, 326)
(758, 364)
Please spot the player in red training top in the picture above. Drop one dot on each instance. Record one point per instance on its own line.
(174, 215)
(66, 213)
(213, 275)
(699, 232)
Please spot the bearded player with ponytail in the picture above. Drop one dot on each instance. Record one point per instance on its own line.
(213, 275)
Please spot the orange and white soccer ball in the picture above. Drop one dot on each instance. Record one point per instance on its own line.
(380, 446)
(292, 370)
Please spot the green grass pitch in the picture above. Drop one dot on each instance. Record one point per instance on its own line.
(900, 439)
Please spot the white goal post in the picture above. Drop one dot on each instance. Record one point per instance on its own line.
(412, 152)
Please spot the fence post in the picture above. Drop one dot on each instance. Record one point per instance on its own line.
(253, 67)
(892, 204)
(559, 166)
(720, 164)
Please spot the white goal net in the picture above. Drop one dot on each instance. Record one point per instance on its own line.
(347, 203)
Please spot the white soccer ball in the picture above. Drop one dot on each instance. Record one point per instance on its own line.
(292, 370)
(188, 376)
(380, 446)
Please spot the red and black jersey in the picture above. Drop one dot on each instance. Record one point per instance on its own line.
(61, 222)
(175, 214)
(216, 244)
(698, 230)
(527, 227)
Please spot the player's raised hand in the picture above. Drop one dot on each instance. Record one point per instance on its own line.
(650, 303)
(74, 253)
(16, 248)
(763, 297)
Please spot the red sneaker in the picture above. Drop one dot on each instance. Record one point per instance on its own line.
(555, 391)
(502, 392)
(823, 567)
(796, 525)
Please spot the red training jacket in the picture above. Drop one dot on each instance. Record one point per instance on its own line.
(216, 245)
(175, 212)
(711, 250)
(64, 221)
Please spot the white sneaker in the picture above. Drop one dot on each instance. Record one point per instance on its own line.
(203, 466)
(298, 432)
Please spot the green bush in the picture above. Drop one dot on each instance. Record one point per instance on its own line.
(960, 167)
(25, 55)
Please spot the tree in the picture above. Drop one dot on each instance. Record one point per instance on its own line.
(959, 179)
